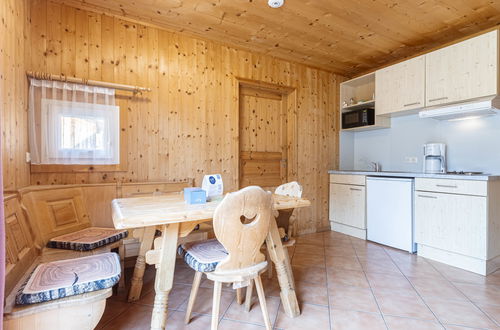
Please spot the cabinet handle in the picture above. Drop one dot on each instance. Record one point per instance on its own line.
(355, 189)
(427, 196)
(439, 99)
(446, 186)
(408, 104)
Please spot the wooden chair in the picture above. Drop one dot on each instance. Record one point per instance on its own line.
(241, 224)
(292, 189)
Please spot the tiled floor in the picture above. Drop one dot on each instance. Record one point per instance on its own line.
(342, 283)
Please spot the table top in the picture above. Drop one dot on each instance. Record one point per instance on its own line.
(147, 211)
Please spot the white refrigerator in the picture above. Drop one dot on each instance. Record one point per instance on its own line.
(389, 212)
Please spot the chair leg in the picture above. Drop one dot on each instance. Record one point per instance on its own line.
(121, 253)
(269, 266)
(288, 265)
(248, 296)
(239, 296)
(192, 296)
(262, 301)
(216, 304)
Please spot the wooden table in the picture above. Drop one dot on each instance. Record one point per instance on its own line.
(175, 218)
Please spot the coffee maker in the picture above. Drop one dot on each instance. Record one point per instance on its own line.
(434, 158)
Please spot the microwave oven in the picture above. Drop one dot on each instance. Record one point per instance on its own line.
(358, 118)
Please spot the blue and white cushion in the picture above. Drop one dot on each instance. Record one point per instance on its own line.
(64, 278)
(203, 256)
(87, 239)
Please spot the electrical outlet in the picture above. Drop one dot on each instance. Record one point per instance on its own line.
(28, 157)
(411, 160)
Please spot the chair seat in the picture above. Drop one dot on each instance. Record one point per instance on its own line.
(64, 278)
(87, 239)
(203, 256)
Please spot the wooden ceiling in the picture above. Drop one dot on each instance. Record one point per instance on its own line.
(345, 36)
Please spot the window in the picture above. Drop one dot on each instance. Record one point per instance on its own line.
(79, 133)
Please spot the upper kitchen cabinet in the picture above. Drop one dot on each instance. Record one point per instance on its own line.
(463, 71)
(357, 102)
(400, 88)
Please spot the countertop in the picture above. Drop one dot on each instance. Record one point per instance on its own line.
(479, 177)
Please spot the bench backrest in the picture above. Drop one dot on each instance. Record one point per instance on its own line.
(20, 249)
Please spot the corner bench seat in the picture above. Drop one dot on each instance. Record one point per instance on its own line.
(57, 293)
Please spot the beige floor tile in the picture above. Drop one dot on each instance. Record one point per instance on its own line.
(459, 313)
(352, 298)
(492, 311)
(232, 325)
(309, 274)
(402, 323)
(429, 287)
(178, 295)
(311, 239)
(346, 277)
(311, 317)
(300, 259)
(458, 275)
(237, 312)
(352, 320)
(340, 251)
(198, 321)
(310, 249)
(271, 287)
(371, 266)
(203, 303)
(136, 317)
(388, 281)
(457, 327)
(311, 293)
(348, 263)
(113, 309)
(184, 275)
(481, 294)
(403, 305)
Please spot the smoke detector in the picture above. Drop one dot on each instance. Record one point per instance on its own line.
(275, 3)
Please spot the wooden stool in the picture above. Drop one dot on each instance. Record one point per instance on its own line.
(234, 256)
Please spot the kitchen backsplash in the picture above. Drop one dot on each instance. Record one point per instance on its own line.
(472, 145)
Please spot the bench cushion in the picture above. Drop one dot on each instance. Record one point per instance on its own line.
(203, 256)
(64, 278)
(87, 239)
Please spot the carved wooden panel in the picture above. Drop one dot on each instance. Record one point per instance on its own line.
(57, 211)
(19, 245)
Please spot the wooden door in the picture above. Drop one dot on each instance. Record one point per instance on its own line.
(263, 137)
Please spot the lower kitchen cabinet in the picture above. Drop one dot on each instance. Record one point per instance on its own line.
(347, 205)
(457, 223)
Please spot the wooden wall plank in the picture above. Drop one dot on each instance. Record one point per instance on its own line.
(188, 125)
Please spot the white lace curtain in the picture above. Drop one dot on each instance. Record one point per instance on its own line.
(73, 124)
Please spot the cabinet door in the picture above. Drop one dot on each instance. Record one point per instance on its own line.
(400, 87)
(455, 223)
(347, 205)
(462, 71)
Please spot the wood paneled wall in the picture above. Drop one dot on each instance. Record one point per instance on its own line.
(13, 92)
(188, 125)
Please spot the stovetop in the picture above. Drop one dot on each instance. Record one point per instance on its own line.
(464, 173)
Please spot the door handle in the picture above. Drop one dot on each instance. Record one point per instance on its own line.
(355, 189)
(439, 99)
(408, 104)
(427, 196)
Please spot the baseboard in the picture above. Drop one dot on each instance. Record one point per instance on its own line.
(348, 230)
(475, 265)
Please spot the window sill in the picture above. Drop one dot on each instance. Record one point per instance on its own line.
(77, 168)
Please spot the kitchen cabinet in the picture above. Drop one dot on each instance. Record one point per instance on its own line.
(463, 71)
(348, 204)
(400, 88)
(457, 222)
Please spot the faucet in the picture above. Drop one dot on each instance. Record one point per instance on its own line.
(376, 166)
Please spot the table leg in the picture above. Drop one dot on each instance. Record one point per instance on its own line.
(165, 268)
(140, 264)
(277, 254)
